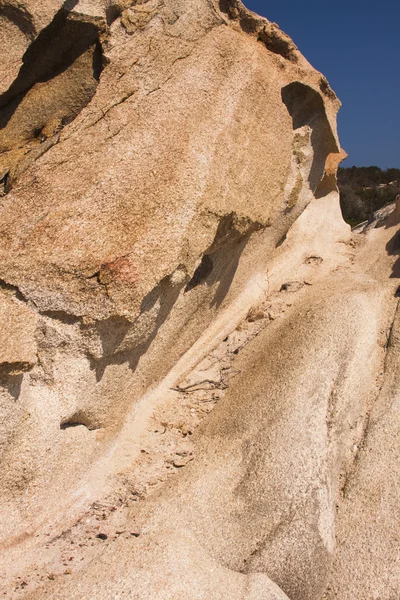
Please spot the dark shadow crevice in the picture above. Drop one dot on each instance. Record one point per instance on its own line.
(201, 273)
(113, 12)
(306, 107)
(393, 249)
(327, 185)
(54, 50)
(281, 240)
(14, 289)
(61, 316)
(221, 260)
(59, 75)
(11, 380)
(78, 419)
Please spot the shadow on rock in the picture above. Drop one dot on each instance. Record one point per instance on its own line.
(221, 260)
(393, 249)
(124, 341)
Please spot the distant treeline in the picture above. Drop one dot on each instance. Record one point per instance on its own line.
(364, 190)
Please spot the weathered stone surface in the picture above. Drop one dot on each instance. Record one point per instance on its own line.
(20, 24)
(366, 563)
(17, 333)
(167, 173)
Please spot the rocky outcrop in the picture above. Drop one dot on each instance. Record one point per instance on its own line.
(364, 190)
(185, 313)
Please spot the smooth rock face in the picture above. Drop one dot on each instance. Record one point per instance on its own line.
(368, 550)
(194, 362)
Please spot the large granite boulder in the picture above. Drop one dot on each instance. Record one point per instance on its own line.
(168, 198)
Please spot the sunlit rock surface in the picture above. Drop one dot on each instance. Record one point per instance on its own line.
(198, 359)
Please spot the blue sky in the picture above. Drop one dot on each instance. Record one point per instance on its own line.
(356, 45)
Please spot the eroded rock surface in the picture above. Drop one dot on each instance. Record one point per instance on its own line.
(198, 355)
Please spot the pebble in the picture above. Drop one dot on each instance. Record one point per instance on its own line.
(135, 533)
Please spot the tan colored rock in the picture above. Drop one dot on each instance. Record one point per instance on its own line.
(20, 24)
(124, 232)
(166, 170)
(17, 334)
(56, 76)
(366, 563)
(398, 207)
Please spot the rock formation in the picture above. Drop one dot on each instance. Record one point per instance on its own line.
(198, 361)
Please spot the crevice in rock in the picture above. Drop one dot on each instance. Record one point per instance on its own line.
(54, 50)
(306, 108)
(278, 42)
(393, 249)
(77, 420)
(61, 316)
(115, 8)
(58, 78)
(58, 315)
(4, 182)
(14, 368)
(281, 240)
(69, 4)
(327, 185)
(10, 381)
(113, 11)
(221, 260)
(14, 289)
(95, 276)
(201, 273)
